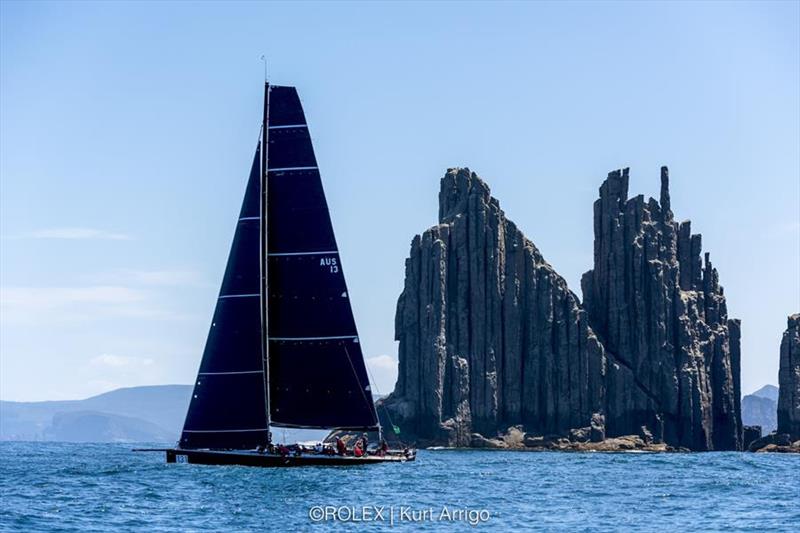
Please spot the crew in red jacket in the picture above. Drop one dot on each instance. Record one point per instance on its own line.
(341, 449)
(358, 449)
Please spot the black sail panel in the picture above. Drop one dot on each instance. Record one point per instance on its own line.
(328, 395)
(300, 222)
(228, 405)
(316, 368)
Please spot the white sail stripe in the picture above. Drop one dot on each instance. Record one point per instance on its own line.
(313, 338)
(284, 169)
(230, 373)
(249, 218)
(324, 252)
(289, 126)
(239, 295)
(222, 430)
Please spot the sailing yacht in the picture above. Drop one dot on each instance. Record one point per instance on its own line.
(283, 349)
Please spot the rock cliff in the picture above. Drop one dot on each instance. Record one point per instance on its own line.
(789, 380)
(491, 336)
(660, 312)
(489, 333)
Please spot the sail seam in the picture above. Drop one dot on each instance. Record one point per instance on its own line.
(238, 295)
(222, 430)
(313, 338)
(324, 252)
(289, 126)
(227, 373)
(249, 218)
(284, 169)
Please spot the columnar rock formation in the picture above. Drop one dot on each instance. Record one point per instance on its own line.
(491, 336)
(489, 333)
(789, 380)
(661, 312)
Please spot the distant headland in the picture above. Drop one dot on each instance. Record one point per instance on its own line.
(155, 414)
(133, 414)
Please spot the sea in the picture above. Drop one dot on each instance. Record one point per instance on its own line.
(106, 487)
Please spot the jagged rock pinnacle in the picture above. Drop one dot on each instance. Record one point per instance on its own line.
(664, 198)
(491, 336)
(789, 380)
(663, 316)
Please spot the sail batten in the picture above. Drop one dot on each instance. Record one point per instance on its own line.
(280, 170)
(299, 339)
(223, 430)
(320, 252)
(230, 373)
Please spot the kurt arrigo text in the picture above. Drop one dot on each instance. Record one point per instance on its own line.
(396, 514)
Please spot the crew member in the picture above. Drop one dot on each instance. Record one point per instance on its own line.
(341, 448)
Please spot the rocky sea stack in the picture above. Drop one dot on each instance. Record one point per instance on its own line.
(786, 439)
(492, 338)
(789, 380)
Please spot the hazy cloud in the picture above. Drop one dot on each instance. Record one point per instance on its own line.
(162, 278)
(111, 371)
(99, 386)
(120, 361)
(74, 233)
(40, 305)
(383, 370)
(52, 297)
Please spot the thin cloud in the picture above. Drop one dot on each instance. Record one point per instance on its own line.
(99, 386)
(383, 373)
(55, 297)
(74, 233)
(120, 361)
(40, 305)
(160, 278)
(109, 371)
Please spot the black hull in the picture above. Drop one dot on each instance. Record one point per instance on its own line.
(250, 458)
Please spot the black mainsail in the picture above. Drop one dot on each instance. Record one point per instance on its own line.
(314, 368)
(317, 373)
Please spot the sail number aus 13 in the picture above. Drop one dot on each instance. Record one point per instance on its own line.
(331, 263)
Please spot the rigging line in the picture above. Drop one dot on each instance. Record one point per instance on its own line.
(364, 394)
(385, 410)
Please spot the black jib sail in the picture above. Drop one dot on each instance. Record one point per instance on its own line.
(317, 376)
(315, 370)
(228, 405)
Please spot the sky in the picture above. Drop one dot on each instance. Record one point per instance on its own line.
(127, 132)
